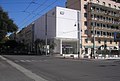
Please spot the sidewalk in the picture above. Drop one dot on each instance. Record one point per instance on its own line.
(9, 73)
(70, 56)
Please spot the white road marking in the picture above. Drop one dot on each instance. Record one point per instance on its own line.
(27, 60)
(33, 60)
(22, 60)
(25, 71)
(16, 60)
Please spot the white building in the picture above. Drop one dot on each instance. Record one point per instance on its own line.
(61, 26)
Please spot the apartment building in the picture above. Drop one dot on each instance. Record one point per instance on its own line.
(100, 19)
(26, 36)
(59, 25)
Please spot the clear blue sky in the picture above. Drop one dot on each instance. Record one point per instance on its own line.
(24, 12)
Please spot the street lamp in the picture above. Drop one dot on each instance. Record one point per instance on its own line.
(93, 40)
(79, 34)
(46, 34)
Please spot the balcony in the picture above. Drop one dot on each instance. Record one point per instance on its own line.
(105, 7)
(105, 29)
(105, 22)
(105, 14)
(103, 10)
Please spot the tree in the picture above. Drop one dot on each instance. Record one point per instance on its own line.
(6, 24)
(39, 45)
(52, 46)
(11, 46)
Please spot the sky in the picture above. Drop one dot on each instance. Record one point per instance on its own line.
(24, 12)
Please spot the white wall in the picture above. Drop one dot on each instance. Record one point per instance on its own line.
(60, 23)
(65, 23)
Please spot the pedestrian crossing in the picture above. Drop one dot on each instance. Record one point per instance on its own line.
(29, 61)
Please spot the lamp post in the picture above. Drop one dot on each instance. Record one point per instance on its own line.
(46, 34)
(93, 40)
(79, 35)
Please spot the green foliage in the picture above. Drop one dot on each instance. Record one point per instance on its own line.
(11, 46)
(6, 24)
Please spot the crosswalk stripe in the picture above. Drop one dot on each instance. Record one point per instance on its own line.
(29, 60)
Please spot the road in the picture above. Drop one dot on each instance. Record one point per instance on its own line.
(59, 69)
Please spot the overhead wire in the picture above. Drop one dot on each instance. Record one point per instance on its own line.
(33, 11)
(29, 5)
(25, 10)
(40, 12)
(11, 3)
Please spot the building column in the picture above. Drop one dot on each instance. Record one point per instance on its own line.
(60, 46)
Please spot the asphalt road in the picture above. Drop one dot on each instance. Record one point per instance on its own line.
(59, 69)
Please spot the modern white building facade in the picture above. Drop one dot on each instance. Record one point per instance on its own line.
(59, 25)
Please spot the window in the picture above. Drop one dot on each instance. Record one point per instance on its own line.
(91, 23)
(105, 41)
(86, 32)
(95, 31)
(86, 40)
(92, 40)
(97, 9)
(98, 17)
(99, 41)
(94, 24)
(115, 6)
(91, 32)
(117, 27)
(110, 34)
(101, 33)
(98, 25)
(110, 41)
(104, 18)
(94, 16)
(91, 16)
(104, 25)
(98, 33)
(98, 1)
(85, 23)
(119, 7)
(85, 6)
(86, 50)
(93, 8)
(104, 33)
(104, 3)
(85, 15)
(107, 33)
(109, 5)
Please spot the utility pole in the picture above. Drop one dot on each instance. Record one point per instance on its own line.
(79, 34)
(46, 34)
(93, 40)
